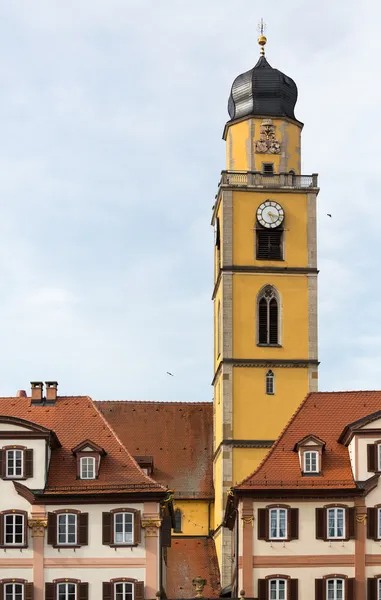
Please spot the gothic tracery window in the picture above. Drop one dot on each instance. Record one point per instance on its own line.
(268, 317)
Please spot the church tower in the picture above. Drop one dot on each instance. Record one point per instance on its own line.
(265, 281)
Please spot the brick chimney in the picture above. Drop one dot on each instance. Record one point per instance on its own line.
(51, 390)
(21, 394)
(37, 390)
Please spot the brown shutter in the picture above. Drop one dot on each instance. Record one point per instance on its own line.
(293, 593)
(320, 589)
(1, 591)
(293, 523)
(28, 457)
(28, 591)
(166, 532)
(2, 463)
(371, 523)
(350, 588)
(263, 524)
(137, 528)
(83, 591)
(26, 529)
(83, 528)
(263, 588)
(107, 528)
(372, 457)
(107, 587)
(139, 590)
(50, 591)
(2, 530)
(350, 515)
(52, 529)
(372, 588)
(321, 522)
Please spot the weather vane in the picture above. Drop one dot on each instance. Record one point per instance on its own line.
(262, 38)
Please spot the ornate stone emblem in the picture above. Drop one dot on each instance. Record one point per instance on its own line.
(151, 526)
(38, 526)
(267, 143)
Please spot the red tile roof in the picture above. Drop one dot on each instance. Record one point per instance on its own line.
(179, 436)
(322, 414)
(75, 419)
(188, 558)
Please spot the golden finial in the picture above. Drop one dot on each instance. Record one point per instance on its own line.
(262, 38)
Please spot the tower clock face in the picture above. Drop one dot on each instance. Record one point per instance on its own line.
(270, 214)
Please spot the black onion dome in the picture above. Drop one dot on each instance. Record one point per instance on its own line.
(263, 91)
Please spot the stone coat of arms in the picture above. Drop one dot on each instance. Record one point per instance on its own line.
(267, 143)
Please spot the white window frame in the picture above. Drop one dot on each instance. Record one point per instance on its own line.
(278, 512)
(379, 589)
(335, 511)
(270, 383)
(277, 582)
(124, 543)
(379, 456)
(125, 584)
(66, 585)
(14, 451)
(335, 580)
(13, 586)
(65, 517)
(82, 467)
(13, 517)
(310, 470)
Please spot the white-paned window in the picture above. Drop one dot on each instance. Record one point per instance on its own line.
(124, 591)
(277, 589)
(336, 522)
(14, 591)
(123, 528)
(13, 529)
(14, 463)
(278, 523)
(67, 528)
(66, 591)
(311, 462)
(379, 525)
(87, 467)
(335, 589)
(270, 383)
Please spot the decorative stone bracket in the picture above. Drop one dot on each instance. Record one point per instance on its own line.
(151, 525)
(38, 526)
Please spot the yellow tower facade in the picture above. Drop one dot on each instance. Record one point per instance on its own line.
(265, 282)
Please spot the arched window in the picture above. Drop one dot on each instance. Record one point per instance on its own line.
(219, 329)
(270, 382)
(178, 517)
(268, 317)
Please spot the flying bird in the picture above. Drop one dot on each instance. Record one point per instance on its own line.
(171, 374)
(328, 215)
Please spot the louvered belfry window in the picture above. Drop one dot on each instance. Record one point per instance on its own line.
(268, 318)
(269, 244)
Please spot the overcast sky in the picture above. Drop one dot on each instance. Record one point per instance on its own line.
(111, 116)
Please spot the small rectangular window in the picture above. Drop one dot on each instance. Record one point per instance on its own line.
(14, 591)
(123, 528)
(269, 244)
(66, 591)
(336, 523)
(278, 523)
(268, 168)
(311, 462)
(88, 467)
(15, 459)
(124, 591)
(14, 530)
(67, 529)
(277, 589)
(335, 589)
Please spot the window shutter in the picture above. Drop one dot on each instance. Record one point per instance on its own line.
(25, 529)
(372, 458)
(320, 589)
(52, 529)
(137, 527)
(263, 589)
(321, 520)
(83, 529)
(263, 524)
(293, 523)
(50, 591)
(28, 591)
(107, 528)
(139, 590)
(166, 532)
(351, 523)
(1, 591)
(273, 338)
(293, 593)
(350, 588)
(262, 321)
(107, 587)
(372, 588)
(371, 523)
(28, 456)
(2, 463)
(269, 244)
(83, 591)
(1, 530)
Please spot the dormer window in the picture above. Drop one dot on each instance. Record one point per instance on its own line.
(310, 450)
(87, 467)
(16, 462)
(311, 461)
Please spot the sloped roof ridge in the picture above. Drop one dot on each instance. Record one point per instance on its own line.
(167, 402)
(277, 441)
(149, 479)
